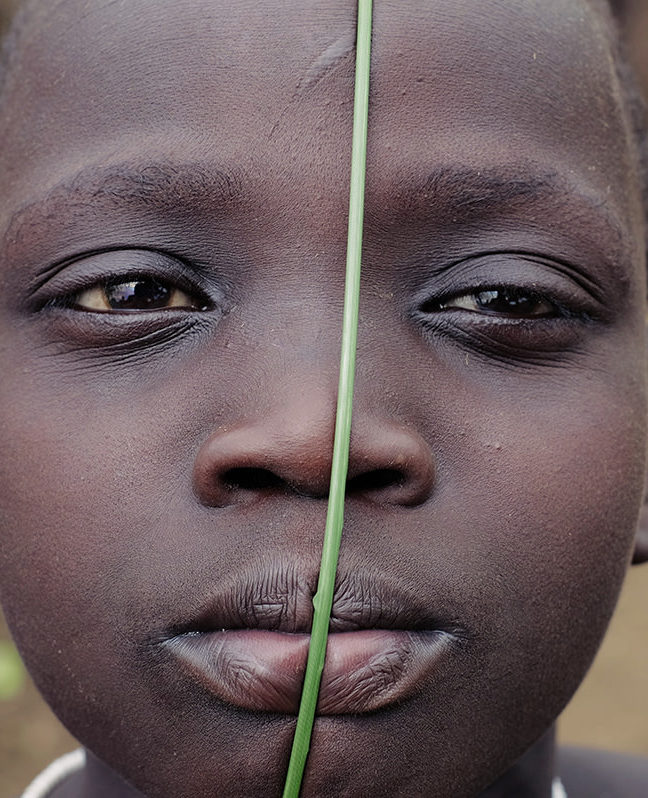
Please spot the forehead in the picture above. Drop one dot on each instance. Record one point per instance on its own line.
(254, 83)
(263, 53)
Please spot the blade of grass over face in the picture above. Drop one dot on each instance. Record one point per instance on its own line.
(323, 599)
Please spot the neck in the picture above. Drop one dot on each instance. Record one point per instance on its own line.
(98, 780)
(531, 776)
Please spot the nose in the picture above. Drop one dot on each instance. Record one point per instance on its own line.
(289, 451)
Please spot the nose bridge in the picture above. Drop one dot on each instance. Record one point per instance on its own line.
(306, 406)
(297, 436)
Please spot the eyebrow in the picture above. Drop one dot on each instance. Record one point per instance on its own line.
(457, 195)
(465, 192)
(161, 185)
(470, 187)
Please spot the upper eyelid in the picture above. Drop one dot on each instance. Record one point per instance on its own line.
(71, 262)
(557, 266)
(544, 276)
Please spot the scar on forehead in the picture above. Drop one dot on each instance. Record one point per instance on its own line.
(332, 56)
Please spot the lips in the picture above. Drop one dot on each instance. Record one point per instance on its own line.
(248, 645)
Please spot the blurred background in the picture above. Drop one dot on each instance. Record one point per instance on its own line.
(609, 711)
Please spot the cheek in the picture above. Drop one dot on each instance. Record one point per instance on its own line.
(560, 484)
(81, 481)
(93, 493)
(574, 480)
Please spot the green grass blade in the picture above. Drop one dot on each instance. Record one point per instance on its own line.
(323, 599)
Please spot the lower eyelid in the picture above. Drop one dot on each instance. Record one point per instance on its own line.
(508, 341)
(111, 333)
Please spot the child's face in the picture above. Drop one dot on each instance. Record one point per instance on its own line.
(165, 470)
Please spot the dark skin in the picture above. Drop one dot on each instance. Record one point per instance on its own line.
(157, 454)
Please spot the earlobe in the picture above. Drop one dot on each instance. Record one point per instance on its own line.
(622, 10)
(641, 541)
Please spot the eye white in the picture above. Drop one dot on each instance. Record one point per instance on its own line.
(478, 303)
(96, 298)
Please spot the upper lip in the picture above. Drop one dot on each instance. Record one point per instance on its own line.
(279, 599)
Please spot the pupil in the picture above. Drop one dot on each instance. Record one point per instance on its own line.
(143, 294)
(501, 301)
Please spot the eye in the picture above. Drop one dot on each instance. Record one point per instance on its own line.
(135, 294)
(509, 302)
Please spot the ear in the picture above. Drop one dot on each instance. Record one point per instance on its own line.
(641, 541)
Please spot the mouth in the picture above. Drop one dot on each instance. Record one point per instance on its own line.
(248, 645)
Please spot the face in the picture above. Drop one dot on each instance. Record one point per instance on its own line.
(174, 214)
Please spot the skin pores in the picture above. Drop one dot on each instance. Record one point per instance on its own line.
(164, 468)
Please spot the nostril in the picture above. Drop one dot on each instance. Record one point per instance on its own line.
(389, 464)
(376, 479)
(253, 479)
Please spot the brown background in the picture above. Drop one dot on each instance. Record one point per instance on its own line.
(609, 711)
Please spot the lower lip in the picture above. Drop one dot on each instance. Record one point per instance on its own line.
(263, 671)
